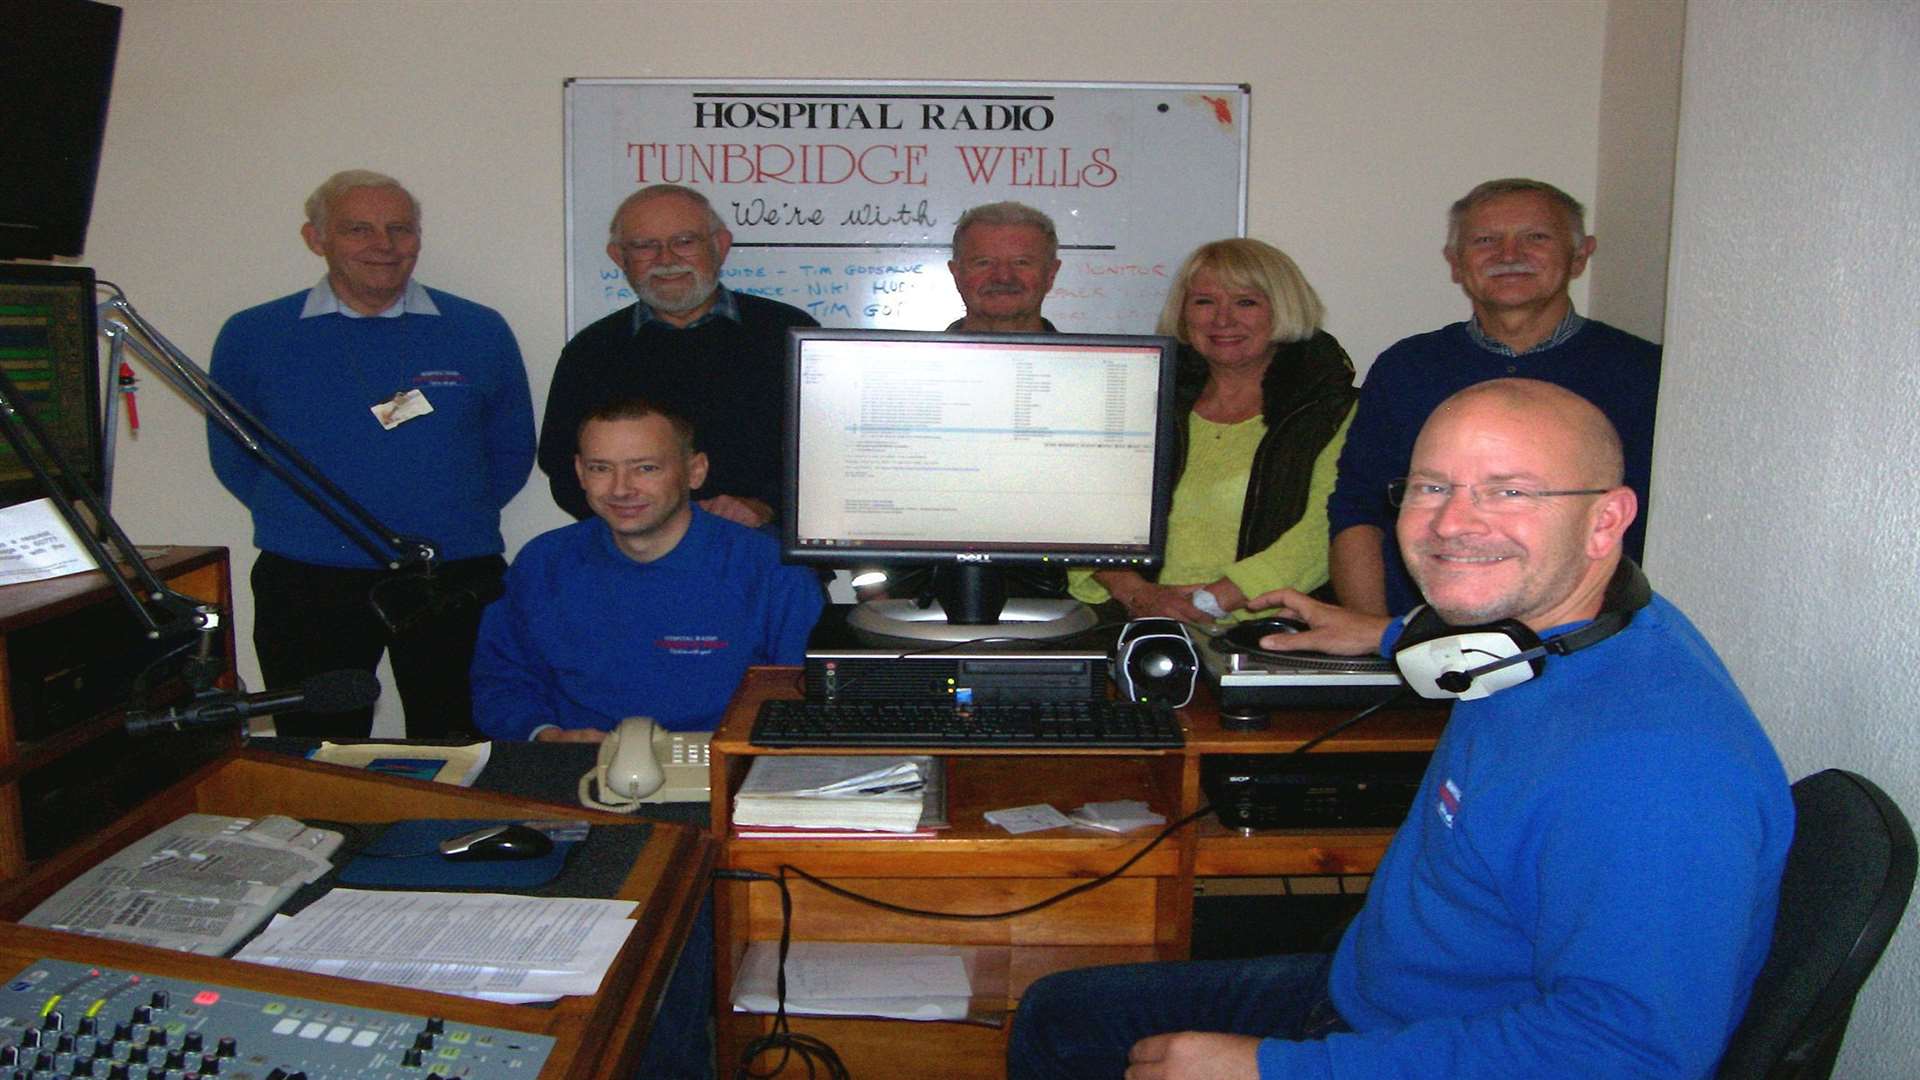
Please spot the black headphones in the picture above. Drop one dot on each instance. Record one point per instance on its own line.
(1468, 662)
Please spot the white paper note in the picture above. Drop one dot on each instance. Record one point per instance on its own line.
(36, 544)
(1026, 819)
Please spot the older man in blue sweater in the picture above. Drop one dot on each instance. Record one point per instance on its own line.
(1587, 881)
(1514, 247)
(411, 400)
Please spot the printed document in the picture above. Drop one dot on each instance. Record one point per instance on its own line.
(511, 949)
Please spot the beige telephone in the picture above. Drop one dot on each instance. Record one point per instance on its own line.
(642, 762)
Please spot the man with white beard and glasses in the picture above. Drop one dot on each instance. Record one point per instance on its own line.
(1514, 247)
(1586, 882)
(701, 350)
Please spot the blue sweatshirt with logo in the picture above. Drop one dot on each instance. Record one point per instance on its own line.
(1585, 886)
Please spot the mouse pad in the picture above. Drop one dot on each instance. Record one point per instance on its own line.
(407, 855)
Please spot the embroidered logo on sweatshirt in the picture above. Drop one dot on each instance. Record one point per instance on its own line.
(691, 644)
(1449, 803)
(440, 378)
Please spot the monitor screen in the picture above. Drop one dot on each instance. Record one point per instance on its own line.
(48, 349)
(978, 451)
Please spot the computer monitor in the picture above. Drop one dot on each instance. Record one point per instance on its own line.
(48, 349)
(975, 453)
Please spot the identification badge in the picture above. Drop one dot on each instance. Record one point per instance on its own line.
(401, 408)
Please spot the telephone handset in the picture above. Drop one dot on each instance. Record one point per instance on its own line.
(642, 762)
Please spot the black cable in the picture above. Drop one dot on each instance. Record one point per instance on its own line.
(1091, 883)
(1398, 693)
(814, 1053)
(1038, 905)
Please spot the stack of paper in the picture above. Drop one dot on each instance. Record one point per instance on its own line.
(836, 978)
(512, 949)
(1123, 815)
(879, 794)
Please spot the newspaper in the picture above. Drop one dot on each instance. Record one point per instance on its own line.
(198, 884)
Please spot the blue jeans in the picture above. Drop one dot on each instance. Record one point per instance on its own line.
(1080, 1024)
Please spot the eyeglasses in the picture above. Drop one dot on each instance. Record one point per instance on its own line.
(1491, 498)
(683, 245)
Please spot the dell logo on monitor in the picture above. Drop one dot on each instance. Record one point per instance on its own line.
(970, 556)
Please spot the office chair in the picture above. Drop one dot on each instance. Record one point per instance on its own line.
(1849, 873)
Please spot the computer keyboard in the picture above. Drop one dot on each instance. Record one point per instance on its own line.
(1113, 725)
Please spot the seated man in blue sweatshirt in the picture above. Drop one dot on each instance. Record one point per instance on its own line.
(652, 607)
(1587, 881)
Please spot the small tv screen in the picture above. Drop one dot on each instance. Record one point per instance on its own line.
(49, 351)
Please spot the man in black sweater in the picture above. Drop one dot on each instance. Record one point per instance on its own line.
(695, 348)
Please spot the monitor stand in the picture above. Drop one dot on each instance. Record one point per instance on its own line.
(905, 621)
(969, 602)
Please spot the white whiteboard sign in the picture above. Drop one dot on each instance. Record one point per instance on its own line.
(841, 196)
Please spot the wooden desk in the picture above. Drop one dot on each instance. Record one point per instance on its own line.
(977, 867)
(598, 1037)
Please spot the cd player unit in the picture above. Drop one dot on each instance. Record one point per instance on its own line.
(1312, 791)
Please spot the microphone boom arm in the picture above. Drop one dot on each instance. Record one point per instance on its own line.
(162, 611)
(124, 326)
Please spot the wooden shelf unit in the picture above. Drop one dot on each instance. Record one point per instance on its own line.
(975, 867)
(66, 766)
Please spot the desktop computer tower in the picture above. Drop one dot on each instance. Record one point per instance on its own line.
(840, 667)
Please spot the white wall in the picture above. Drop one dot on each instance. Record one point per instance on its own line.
(1367, 120)
(1790, 408)
(1639, 118)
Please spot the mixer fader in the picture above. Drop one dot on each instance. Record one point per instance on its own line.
(64, 1019)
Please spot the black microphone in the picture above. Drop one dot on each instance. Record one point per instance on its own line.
(329, 691)
(1459, 682)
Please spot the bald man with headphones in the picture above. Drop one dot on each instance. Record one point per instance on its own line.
(1586, 883)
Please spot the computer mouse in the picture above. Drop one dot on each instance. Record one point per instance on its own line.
(497, 843)
(1246, 636)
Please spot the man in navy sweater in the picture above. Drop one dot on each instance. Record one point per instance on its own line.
(714, 356)
(1585, 885)
(415, 403)
(652, 607)
(1514, 246)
